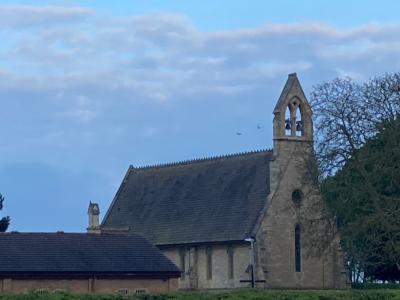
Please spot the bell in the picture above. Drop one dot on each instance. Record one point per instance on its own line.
(299, 126)
(287, 127)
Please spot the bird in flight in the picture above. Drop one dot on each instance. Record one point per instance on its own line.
(259, 126)
(239, 133)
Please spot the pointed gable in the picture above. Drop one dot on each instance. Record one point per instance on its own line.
(293, 114)
(292, 88)
(209, 200)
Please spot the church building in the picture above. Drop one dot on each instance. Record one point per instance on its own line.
(238, 220)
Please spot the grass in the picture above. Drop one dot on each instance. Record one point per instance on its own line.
(259, 294)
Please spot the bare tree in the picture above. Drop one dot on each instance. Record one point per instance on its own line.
(347, 114)
(340, 121)
(382, 97)
(362, 203)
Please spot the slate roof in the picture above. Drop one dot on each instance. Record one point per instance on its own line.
(81, 253)
(200, 201)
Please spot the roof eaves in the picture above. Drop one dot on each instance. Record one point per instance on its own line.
(214, 242)
(262, 214)
(81, 275)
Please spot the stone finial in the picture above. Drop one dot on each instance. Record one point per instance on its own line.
(93, 212)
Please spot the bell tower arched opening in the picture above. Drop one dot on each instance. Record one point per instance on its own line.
(288, 123)
(299, 122)
(293, 116)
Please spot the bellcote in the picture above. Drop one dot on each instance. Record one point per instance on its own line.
(293, 115)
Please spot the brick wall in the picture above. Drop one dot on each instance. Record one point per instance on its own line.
(83, 286)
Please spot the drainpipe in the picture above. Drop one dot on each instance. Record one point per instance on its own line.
(252, 261)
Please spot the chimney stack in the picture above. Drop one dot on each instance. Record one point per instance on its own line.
(93, 212)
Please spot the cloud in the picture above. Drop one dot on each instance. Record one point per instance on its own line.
(83, 110)
(124, 63)
(161, 57)
(119, 80)
(81, 91)
(18, 16)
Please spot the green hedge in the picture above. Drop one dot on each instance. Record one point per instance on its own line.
(288, 295)
(381, 286)
(360, 294)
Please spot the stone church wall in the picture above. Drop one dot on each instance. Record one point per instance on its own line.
(319, 264)
(196, 261)
(276, 236)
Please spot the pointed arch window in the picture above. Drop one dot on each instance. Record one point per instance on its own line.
(230, 262)
(297, 248)
(209, 262)
(294, 123)
(299, 122)
(288, 122)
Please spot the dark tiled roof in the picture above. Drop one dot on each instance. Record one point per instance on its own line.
(80, 253)
(207, 200)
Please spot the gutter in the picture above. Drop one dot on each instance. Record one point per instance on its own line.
(88, 274)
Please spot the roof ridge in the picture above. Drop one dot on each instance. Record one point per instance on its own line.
(60, 233)
(198, 160)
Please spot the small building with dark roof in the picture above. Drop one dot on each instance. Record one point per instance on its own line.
(83, 263)
(248, 219)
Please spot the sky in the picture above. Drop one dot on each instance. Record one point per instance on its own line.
(88, 88)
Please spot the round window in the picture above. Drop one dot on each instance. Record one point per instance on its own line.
(297, 196)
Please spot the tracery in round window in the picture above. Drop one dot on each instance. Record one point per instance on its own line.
(297, 196)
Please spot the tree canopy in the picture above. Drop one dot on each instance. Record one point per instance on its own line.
(5, 221)
(358, 152)
(365, 195)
